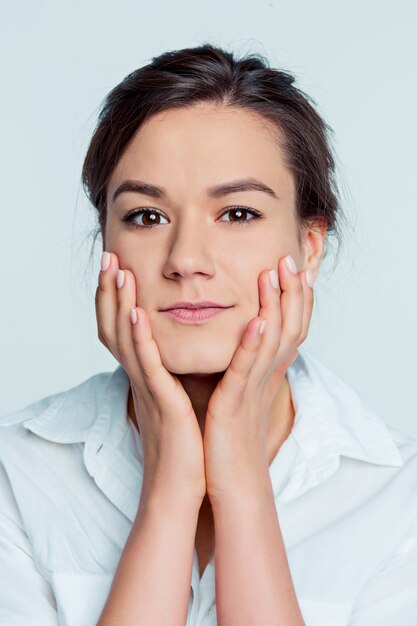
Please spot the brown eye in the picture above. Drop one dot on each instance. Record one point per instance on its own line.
(240, 212)
(150, 218)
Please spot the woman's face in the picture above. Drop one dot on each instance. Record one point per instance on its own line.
(199, 248)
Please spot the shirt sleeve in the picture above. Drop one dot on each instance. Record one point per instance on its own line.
(25, 596)
(390, 597)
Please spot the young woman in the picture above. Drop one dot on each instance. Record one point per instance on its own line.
(221, 474)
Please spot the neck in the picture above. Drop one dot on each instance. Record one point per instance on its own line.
(199, 389)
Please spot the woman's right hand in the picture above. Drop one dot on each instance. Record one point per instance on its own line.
(171, 439)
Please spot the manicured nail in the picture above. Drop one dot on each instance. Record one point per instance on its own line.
(274, 278)
(133, 315)
(120, 278)
(291, 264)
(310, 278)
(105, 261)
(262, 327)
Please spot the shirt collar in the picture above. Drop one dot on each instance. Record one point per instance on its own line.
(331, 418)
(330, 421)
(97, 405)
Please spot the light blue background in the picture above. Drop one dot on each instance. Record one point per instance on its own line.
(58, 61)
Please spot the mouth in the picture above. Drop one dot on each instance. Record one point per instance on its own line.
(195, 316)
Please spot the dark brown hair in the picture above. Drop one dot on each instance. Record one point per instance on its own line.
(182, 78)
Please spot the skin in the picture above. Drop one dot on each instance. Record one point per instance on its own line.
(195, 252)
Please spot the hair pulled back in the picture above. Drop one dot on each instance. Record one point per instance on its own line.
(210, 74)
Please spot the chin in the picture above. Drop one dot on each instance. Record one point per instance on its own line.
(190, 364)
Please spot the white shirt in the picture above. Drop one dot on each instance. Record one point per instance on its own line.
(345, 488)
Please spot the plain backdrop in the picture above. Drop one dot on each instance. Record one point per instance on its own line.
(59, 59)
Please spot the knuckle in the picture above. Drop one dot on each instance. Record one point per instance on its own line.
(302, 337)
(293, 333)
(151, 384)
(101, 287)
(238, 373)
(298, 286)
(103, 340)
(293, 338)
(274, 345)
(150, 374)
(101, 334)
(123, 352)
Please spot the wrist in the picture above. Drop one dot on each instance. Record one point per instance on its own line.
(244, 499)
(159, 502)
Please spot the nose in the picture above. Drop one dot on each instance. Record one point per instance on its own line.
(190, 251)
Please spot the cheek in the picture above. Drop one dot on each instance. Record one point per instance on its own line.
(119, 239)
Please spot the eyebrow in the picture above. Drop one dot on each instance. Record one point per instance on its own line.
(217, 191)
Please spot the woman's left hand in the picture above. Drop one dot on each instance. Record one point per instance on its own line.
(238, 413)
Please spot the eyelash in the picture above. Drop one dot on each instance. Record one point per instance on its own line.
(128, 218)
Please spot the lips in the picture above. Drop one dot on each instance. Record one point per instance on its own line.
(202, 304)
(195, 316)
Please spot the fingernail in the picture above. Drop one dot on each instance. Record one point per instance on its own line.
(274, 278)
(105, 261)
(310, 278)
(262, 327)
(291, 264)
(133, 315)
(120, 278)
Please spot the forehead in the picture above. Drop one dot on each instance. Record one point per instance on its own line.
(202, 145)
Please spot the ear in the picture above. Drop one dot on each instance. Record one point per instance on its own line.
(313, 241)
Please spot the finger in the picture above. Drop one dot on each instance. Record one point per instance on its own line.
(125, 288)
(139, 352)
(128, 355)
(234, 382)
(308, 307)
(106, 304)
(292, 308)
(270, 310)
(159, 381)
